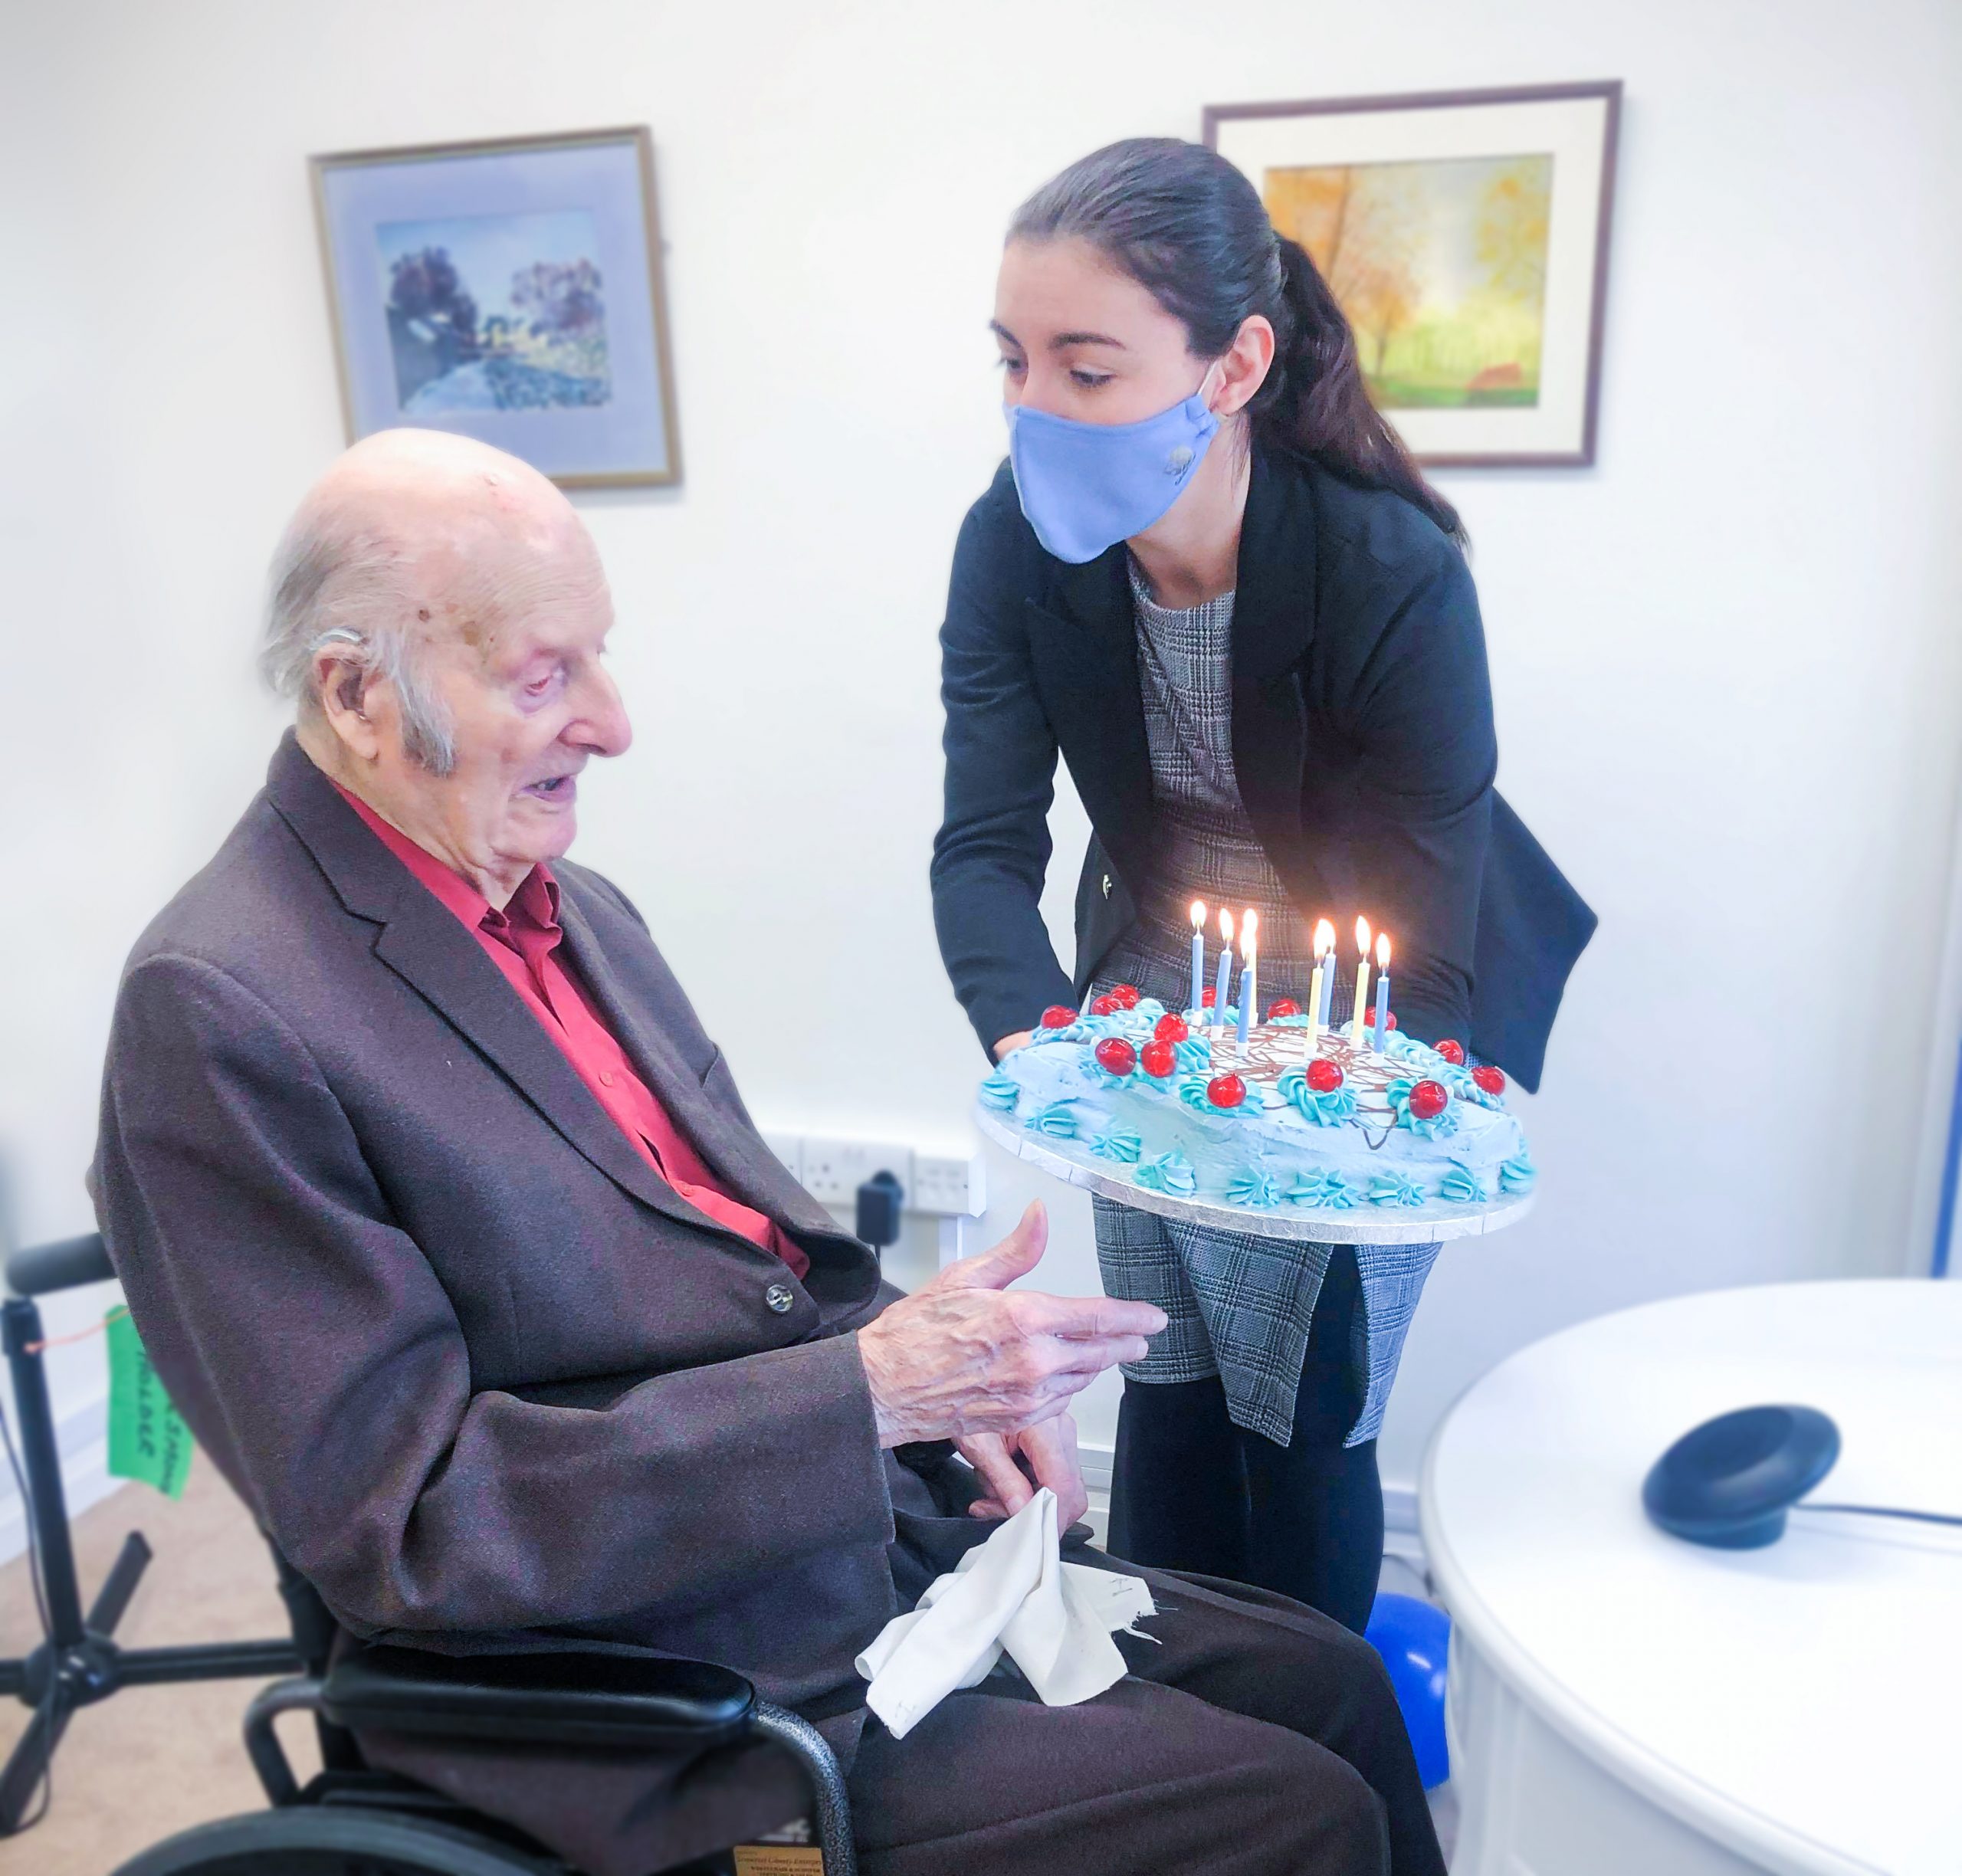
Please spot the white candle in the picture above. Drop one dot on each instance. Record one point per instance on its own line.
(1324, 943)
(1358, 1020)
(1199, 954)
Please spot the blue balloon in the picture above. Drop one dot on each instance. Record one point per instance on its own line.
(1413, 1638)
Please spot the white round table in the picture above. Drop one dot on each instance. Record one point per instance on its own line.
(1621, 1703)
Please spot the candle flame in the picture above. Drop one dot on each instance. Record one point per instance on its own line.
(1226, 925)
(1249, 924)
(1382, 951)
(1363, 936)
(1324, 938)
(1198, 913)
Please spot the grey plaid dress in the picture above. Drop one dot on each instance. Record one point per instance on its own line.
(1239, 1306)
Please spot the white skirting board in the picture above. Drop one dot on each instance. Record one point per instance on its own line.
(82, 1435)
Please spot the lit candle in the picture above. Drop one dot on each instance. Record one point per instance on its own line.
(1250, 977)
(1382, 990)
(1358, 1017)
(1324, 943)
(1222, 983)
(1327, 982)
(1199, 954)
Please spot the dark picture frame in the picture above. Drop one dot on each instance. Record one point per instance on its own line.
(509, 289)
(1541, 414)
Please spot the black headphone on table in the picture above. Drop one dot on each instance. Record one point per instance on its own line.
(1730, 1482)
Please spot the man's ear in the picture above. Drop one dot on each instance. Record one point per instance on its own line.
(341, 684)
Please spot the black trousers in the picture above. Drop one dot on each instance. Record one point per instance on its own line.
(1254, 1738)
(1190, 1490)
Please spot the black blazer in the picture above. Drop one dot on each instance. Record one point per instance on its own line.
(1362, 736)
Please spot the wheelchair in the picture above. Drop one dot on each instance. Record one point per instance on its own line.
(350, 1819)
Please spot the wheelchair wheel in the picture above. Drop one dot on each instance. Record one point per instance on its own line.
(305, 1841)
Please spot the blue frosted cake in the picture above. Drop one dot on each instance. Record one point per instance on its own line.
(1170, 1104)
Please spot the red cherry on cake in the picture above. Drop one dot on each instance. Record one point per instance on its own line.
(1451, 1051)
(1159, 1059)
(1103, 1006)
(1058, 1016)
(1324, 1077)
(1226, 1091)
(1205, 997)
(1284, 1006)
(1125, 995)
(1492, 1080)
(1116, 1056)
(1171, 1029)
(1428, 1100)
(1389, 1019)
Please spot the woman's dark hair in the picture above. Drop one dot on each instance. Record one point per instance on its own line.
(1189, 227)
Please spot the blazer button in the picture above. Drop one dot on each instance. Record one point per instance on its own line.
(779, 1297)
(1107, 885)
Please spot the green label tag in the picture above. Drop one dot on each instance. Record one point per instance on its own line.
(148, 1439)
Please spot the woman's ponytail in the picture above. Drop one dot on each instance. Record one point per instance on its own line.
(1189, 228)
(1321, 406)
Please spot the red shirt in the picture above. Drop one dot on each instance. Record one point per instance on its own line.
(523, 942)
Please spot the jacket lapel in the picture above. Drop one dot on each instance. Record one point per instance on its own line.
(424, 944)
(1083, 641)
(738, 1155)
(1273, 625)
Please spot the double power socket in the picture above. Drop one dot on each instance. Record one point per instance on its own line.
(938, 1181)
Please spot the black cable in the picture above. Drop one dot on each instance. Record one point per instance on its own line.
(40, 1608)
(1924, 1517)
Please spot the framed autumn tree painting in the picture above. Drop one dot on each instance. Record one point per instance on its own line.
(509, 290)
(1465, 235)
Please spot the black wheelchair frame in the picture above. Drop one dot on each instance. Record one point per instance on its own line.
(349, 1817)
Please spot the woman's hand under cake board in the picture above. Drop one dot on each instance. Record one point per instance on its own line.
(967, 1355)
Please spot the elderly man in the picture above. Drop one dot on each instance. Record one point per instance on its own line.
(446, 1227)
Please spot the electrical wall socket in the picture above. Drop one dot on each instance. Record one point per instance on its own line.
(948, 1185)
(832, 1170)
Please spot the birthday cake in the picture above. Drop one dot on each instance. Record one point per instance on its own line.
(1176, 1105)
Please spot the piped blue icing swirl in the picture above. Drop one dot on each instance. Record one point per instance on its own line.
(1168, 1172)
(1329, 1109)
(1463, 1186)
(1518, 1173)
(1119, 1142)
(1077, 1031)
(1056, 1120)
(1250, 1186)
(1327, 1190)
(1192, 1091)
(1000, 1091)
(1192, 1055)
(1395, 1188)
(1440, 1127)
(1148, 1012)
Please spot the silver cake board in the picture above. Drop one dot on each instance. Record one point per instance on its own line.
(1433, 1223)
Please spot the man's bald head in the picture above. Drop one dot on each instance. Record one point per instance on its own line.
(409, 537)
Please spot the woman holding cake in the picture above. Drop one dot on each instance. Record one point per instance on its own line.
(1211, 577)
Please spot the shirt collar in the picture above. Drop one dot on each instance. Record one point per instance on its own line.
(536, 900)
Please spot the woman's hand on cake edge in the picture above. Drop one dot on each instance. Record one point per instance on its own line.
(1009, 1044)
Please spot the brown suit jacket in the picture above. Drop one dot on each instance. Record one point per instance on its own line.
(483, 1377)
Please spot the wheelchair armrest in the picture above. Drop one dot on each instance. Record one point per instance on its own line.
(72, 1262)
(558, 1699)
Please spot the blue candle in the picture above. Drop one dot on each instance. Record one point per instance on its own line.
(1248, 993)
(1198, 955)
(1328, 985)
(1223, 982)
(1382, 991)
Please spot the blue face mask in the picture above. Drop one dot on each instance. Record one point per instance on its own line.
(1085, 487)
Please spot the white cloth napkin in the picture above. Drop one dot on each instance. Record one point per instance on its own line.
(1011, 1595)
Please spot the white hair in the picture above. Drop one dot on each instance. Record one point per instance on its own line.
(335, 584)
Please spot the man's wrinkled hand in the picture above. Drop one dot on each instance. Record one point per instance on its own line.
(965, 1355)
(1049, 1449)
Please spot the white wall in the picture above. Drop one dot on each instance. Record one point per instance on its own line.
(1725, 659)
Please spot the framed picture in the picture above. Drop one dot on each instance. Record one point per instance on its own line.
(509, 290)
(1465, 235)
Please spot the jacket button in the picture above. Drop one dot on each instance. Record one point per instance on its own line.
(779, 1297)
(1107, 885)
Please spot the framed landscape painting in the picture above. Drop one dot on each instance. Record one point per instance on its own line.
(508, 290)
(1465, 235)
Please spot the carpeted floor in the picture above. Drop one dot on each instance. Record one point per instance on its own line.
(150, 1761)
